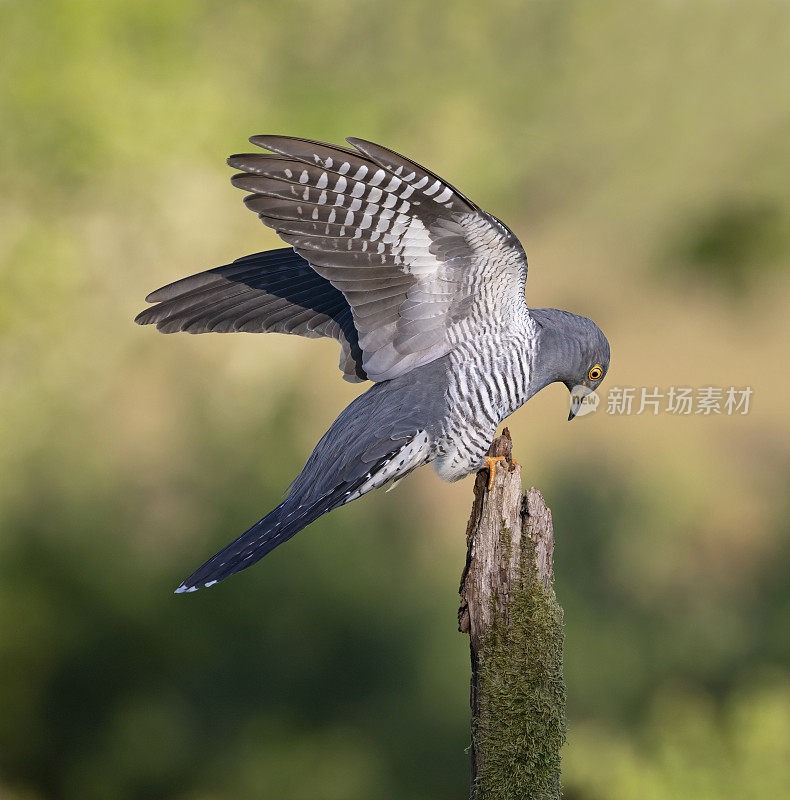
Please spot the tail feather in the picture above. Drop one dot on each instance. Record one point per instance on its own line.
(279, 525)
(378, 438)
(276, 527)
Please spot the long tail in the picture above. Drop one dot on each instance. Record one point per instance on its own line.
(279, 525)
(378, 438)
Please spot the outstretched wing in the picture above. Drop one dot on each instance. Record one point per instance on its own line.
(276, 291)
(420, 265)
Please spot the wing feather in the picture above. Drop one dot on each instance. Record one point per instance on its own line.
(412, 255)
(276, 291)
(388, 258)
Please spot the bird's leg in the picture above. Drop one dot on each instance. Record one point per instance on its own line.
(491, 462)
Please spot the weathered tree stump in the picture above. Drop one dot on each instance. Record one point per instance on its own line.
(514, 622)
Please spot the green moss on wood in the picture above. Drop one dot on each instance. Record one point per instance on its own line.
(520, 726)
(506, 541)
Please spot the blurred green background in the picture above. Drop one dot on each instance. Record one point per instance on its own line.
(640, 150)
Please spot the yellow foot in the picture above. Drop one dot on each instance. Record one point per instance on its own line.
(491, 462)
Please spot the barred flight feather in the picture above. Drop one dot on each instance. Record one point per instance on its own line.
(402, 245)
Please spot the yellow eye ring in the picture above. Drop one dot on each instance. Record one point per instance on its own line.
(596, 373)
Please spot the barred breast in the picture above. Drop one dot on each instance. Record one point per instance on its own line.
(488, 380)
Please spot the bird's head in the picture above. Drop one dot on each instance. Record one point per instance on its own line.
(589, 373)
(571, 350)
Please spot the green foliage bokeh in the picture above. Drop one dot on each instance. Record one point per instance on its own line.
(640, 151)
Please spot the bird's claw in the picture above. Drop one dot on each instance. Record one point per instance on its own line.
(491, 462)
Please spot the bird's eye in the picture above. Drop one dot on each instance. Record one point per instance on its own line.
(596, 373)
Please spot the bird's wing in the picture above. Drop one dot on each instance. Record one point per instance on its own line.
(417, 261)
(276, 291)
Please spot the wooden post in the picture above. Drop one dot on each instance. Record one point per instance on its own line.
(514, 622)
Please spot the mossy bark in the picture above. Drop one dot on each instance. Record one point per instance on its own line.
(516, 636)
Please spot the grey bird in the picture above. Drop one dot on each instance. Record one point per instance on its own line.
(423, 290)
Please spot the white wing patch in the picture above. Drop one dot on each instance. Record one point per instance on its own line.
(411, 244)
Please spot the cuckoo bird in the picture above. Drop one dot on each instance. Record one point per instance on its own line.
(423, 290)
